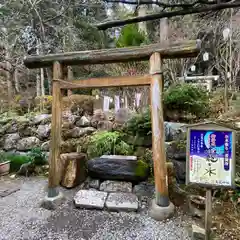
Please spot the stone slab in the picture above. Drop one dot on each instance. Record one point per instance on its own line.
(94, 183)
(6, 192)
(198, 233)
(90, 199)
(116, 186)
(120, 157)
(122, 202)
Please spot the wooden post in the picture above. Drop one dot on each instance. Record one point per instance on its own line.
(158, 133)
(54, 158)
(208, 214)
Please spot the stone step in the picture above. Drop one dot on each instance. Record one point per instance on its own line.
(116, 186)
(122, 202)
(90, 199)
(118, 201)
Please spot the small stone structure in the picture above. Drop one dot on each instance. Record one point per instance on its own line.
(114, 195)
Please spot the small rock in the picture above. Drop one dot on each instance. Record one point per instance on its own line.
(90, 199)
(13, 128)
(45, 146)
(122, 202)
(78, 132)
(83, 122)
(42, 118)
(94, 183)
(144, 189)
(11, 141)
(198, 233)
(28, 143)
(105, 125)
(13, 176)
(43, 131)
(116, 186)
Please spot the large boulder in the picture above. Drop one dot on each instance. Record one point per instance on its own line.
(122, 169)
(73, 169)
(43, 131)
(122, 115)
(11, 141)
(176, 150)
(180, 170)
(28, 143)
(174, 131)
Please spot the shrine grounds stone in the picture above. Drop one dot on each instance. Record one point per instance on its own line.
(122, 202)
(94, 183)
(116, 186)
(90, 199)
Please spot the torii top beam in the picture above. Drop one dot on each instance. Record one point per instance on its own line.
(172, 50)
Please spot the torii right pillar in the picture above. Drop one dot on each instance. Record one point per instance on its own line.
(161, 207)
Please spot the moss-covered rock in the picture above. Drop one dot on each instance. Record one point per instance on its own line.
(141, 168)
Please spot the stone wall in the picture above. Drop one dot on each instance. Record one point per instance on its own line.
(21, 134)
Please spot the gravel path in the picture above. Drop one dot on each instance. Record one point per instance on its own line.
(21, 218)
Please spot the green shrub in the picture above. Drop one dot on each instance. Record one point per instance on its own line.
(130, 36)
(37, 156)
(107, 143)
(184, 99)
(139, 124)
(187, 99)
(16, 161)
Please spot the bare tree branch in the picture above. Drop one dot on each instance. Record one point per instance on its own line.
(163, 4)
(215, 7)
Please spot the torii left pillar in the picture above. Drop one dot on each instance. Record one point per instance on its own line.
(54, 196)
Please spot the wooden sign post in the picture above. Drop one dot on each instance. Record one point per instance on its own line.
(210, 161)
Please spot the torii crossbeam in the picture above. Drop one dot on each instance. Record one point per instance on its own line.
(154, 53)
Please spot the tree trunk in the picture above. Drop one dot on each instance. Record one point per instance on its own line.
(9, 80)
(16, 81)
(163, 30)
(38, 84)
(49, 77)
(142, 26)
(42, 82)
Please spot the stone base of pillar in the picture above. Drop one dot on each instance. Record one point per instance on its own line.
(52, 203)
(161, 213)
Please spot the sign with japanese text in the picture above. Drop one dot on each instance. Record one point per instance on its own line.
(210, 157)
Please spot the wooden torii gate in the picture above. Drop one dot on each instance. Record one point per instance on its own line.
(154, 53)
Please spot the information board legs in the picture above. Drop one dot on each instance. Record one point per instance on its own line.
(208, 214)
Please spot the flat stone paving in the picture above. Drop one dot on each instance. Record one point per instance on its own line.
(122, 202)
(22, 219)
(90, 199)
(116, 186)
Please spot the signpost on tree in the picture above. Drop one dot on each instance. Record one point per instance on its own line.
(210, 161)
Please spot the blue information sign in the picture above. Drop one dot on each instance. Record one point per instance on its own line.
(210, 157)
